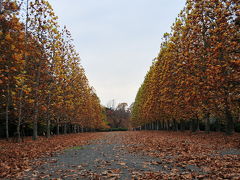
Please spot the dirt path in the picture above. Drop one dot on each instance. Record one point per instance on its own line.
(143, 155)
(106, 158)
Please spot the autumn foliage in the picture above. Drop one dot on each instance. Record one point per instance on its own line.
(195, 78)
(43, 86)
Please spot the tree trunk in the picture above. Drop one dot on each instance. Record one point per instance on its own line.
(7, 109)
(7, 131)
(182, 125)
(48, 127)
(58, 129)
(207, 123)
(18, 134)
(35, 120)
(218, 128)
(36, 106)
(174, 125)
(58, 126)
(1, 6)
(229, 118)
(198, 125)
(167, 125)
(74, 128)
(65, 128)
(19, 116)
(48, 117)
(230, 125)
(193, 125)
(35, 126)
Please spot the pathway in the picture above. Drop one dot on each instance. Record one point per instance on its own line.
(106, 158)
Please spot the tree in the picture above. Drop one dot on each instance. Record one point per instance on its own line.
(12, 38)
(43, 85)
(195, 75)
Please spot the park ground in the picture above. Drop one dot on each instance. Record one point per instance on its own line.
(123, 155)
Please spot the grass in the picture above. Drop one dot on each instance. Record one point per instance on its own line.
(75, 148)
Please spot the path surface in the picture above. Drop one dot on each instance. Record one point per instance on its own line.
(143, 155)
(106, 158)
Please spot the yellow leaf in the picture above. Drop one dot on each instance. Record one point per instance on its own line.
(8, 37)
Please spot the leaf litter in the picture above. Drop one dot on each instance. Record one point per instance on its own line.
(124, 155)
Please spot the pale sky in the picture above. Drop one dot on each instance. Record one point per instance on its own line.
(117, 40)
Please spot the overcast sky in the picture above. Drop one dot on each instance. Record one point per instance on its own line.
(117, 40)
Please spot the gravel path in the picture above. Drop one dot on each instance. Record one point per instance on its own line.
(106, 158)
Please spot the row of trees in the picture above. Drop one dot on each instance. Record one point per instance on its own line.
(118, 117)
(41, 80)
(195, 77)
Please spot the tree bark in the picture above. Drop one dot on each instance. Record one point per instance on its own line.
(74, 128)
(218, 125)
(7, 109)
(207, 123)
(1, 6)
(7, 131)
(35, 119)
(65, 128)
(57, 125)
(182, 125)
(167, 125)
(35, 125)
(19, 117)
(48, 117)
(193, 125)
(36, 107)
(48, 127)
(174, 125)
(230, 125)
